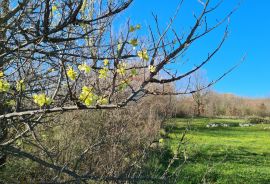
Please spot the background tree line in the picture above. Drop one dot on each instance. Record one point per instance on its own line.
(216, 104)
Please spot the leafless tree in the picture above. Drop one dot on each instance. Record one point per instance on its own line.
(198, 81)
(48, 47)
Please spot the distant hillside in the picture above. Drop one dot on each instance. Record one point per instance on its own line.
(217, 104)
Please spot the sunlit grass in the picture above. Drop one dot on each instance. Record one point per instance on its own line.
(223, 154)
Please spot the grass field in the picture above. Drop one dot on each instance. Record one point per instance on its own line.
(230, 154)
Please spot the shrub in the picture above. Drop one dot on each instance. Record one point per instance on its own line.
(109, 143)
(257, 120)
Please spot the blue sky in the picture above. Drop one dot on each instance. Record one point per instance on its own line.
(249, 29)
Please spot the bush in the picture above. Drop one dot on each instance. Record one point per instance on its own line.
(257, 120)
(107, 143)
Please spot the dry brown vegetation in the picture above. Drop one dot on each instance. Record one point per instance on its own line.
(216, 104)
(110, 144)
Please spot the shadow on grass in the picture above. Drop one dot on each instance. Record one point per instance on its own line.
(208, 168)
(222, 161)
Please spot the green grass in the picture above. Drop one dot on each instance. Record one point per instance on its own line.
(218, 155)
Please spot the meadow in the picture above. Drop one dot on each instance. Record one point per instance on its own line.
(223, 154)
